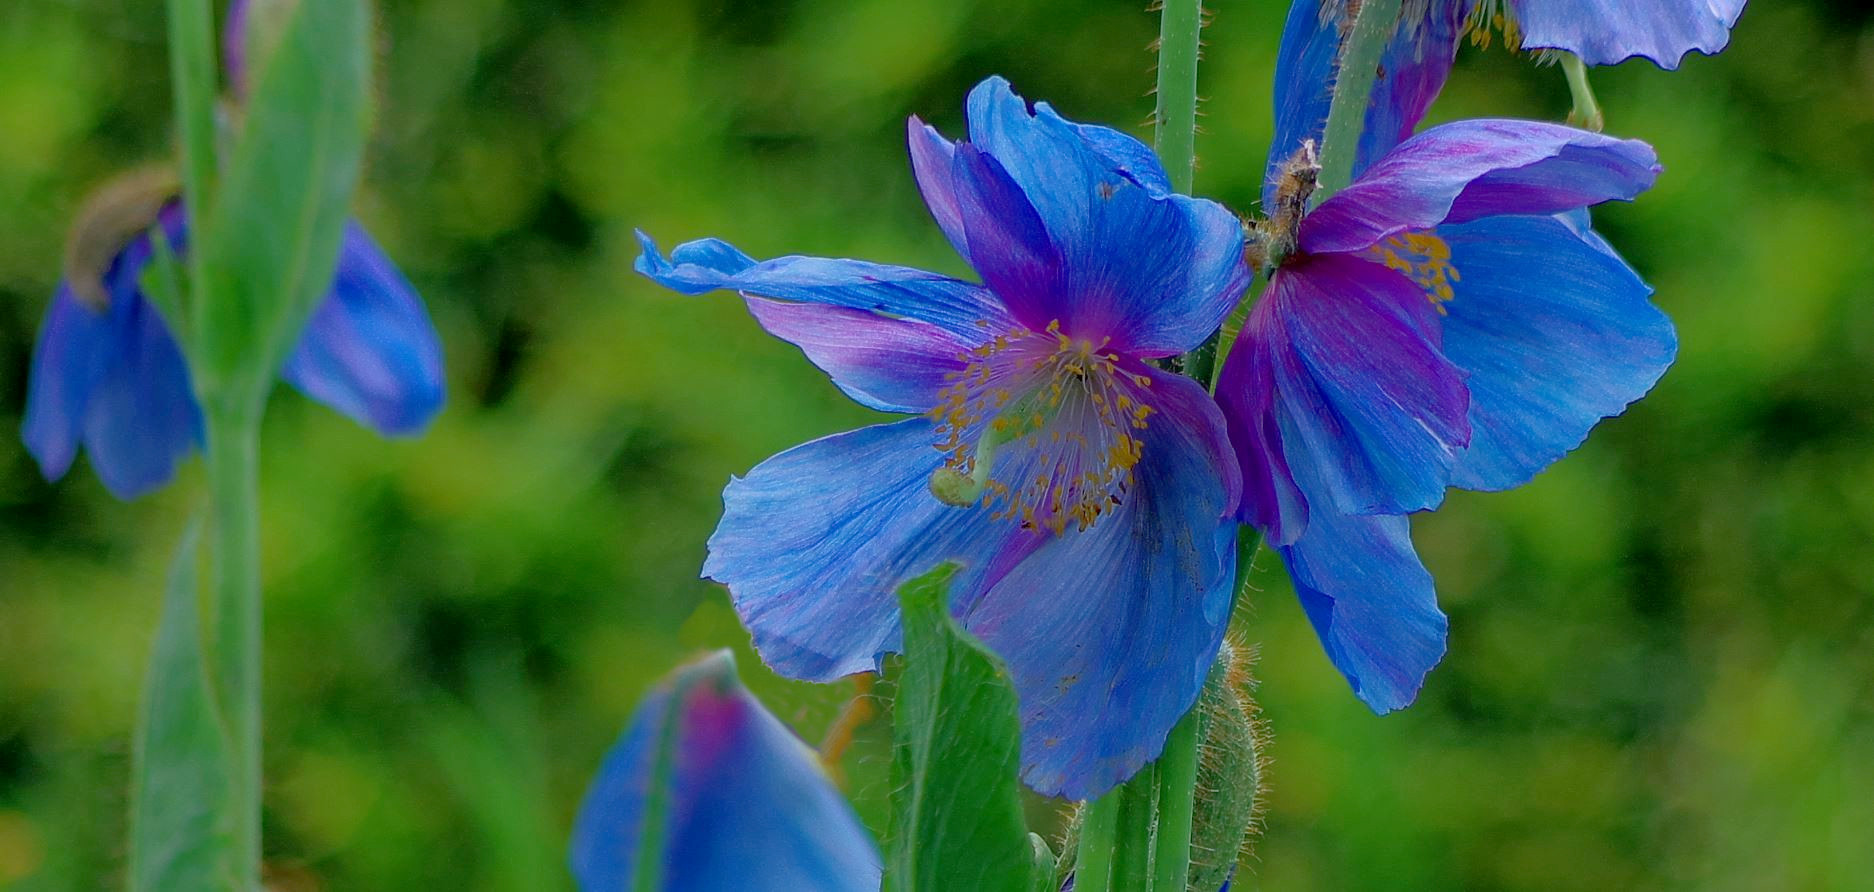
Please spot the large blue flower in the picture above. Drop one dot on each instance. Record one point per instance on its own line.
(1086, 492)
(111, 377)
(744, 805)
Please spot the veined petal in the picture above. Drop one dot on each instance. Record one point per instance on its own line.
(1371, 602)
(1466, 170)
(815, 541)
(1413, 68)
(1362, 387)
(931, 161)
(1108, 632)
(1547, 360)
(1246, 393)
(892, 365)
(1153, 271)
(1603, 32)
(747, 805)
(706, 265)
(369, 350)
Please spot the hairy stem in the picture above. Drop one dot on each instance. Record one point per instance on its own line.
(1353, 92)
(1587, 112)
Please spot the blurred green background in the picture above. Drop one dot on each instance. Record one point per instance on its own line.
(1661, 672)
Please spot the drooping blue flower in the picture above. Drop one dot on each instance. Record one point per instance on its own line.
(112, 378)
(1415, 63)
(108, 374)
(1086, 493)
(1446, 320)
(742, 804)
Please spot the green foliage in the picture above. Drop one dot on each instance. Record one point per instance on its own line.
(269, 244)
(181, 837)
(957, 812)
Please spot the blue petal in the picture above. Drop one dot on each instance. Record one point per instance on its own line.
(114, 381)
(1304, 85)
(1109, 632)
(747, 809)
(1154, 272)
(1548, 359)
(814, 542)
(1362, 387)
(1467, 170)
(706, 265)
(1603, 32)
(1371, 602)
(369, 350)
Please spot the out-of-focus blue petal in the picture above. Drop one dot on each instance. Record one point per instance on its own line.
(1109, 632)
(1466, 170)
(1603, 32)
(892, 365)
(1412, 69)
(747, 806)
(1362, 387)
(1371, 602)
(369, 350)
(113, 380)
(815, 541)
(1154, 272)
(234, 47)
(1547, 360)
(706, 265)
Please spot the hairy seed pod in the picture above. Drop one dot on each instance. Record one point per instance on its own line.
(1230, 794)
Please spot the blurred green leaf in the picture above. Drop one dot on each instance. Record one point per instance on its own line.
(181, 835)
(271, 241)
(957, 815)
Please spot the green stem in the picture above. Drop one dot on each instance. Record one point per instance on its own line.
(1174, 133)
(1093, 862)
(234, 490)
(1132, 849)
(192, 76)
(1353, 91)
(1587, 112)
(1177, 783)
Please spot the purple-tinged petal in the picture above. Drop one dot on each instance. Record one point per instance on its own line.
(814, 542)
(1466, 170)
(1413, 69)
(1362, 387)
(1154, 272)
(931, 166)
(234, 47)
(1108, 632)
(1545, 363)
(953, 305)
(1247, 394)
(1603, 32)
(892, 365)
(746, 806)
(1304, 85)
(369, 350)
(1371, 602)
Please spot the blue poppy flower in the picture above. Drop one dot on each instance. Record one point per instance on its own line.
(108, 374)
(1448, 319)
(744, 805)
(1087, 493)
(112, 378)
(1415, 63)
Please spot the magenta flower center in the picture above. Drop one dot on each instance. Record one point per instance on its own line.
(1042, 428)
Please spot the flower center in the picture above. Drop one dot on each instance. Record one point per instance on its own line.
(1042, 428)
(1425, 259)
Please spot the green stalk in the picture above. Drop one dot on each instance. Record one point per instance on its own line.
(1093, 862)
(234, 491)
(192, 76)
(1587, 112)
(1353, 91)
(1177, 785)
(1132, 851)
(1174, 131)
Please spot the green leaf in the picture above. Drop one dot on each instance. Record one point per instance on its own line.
(181, 818)
(271, 240)
(956, 810)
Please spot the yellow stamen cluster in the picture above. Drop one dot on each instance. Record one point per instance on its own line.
(1490, 17)
(1059, 418)
(1425, 259)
